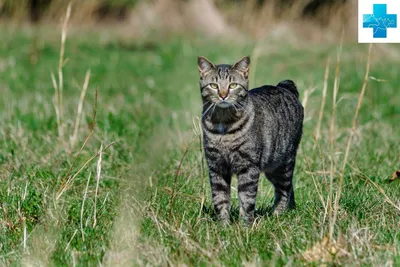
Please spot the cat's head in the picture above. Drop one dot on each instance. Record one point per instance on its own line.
(223, 85)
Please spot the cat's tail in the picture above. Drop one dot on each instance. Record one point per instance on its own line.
(289, 85)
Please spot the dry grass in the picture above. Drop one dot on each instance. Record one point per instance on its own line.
(58, 87)
(74, 137)
(349, 143)
(332, 139)
(323, 101)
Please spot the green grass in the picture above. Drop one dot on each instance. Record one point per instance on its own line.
(148, 98)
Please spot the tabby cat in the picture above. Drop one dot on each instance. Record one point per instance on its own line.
(247, 132)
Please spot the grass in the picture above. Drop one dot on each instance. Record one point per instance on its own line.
(152, 197)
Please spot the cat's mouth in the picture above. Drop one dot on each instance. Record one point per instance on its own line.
(224, 104)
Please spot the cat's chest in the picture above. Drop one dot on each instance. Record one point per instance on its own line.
(221, 128)
(226, 145)
(233, 153)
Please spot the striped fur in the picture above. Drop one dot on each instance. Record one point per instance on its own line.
(246, 133)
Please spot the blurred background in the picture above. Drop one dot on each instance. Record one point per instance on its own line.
(254, 18)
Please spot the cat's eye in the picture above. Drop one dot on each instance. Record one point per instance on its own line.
(213, 85)
(233, 85)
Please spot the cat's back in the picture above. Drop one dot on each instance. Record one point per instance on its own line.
(278, 111)
(283, 97)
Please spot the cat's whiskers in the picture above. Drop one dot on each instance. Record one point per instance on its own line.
(240, 106)
(233, 105)
(207, 102)
(239, 110)
(208, 109)
(212, 112)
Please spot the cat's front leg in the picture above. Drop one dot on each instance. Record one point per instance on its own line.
(220, 188)
(247, 189)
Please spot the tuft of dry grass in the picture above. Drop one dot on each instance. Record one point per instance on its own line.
(349, 142)
(67, 181)
(332, 138)
(323, 101)
(58, 87)
(327, 251)
(83, 206)
(98, 175)
(74, 137)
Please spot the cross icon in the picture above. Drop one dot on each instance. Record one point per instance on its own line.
(379, 20)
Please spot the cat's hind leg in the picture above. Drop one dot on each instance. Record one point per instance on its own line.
(282, 179)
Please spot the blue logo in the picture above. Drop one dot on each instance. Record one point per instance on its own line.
(380, 21)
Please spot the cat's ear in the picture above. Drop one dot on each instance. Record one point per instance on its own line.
(243, 66)
(204, 65)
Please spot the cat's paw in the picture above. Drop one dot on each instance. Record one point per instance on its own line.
(247, 221)
(278, 211)
(225, 222)
(281, 207)
(224, 219)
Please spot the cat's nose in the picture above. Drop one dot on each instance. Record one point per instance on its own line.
(223, 94)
